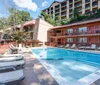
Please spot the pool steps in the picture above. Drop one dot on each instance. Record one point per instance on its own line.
(88, 80)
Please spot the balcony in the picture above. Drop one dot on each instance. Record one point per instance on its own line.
(57, 7)
(64, 8)
(94, 0)
(63, 4)
(77, 1)
(70, 12)
(78, 5)
(70, 7)
(87, 1)
(57, 34)
(70, 3)
(95, 5)
(63, 15)
(87, 8)
(76, 33)
(57, 12)
(79, 34)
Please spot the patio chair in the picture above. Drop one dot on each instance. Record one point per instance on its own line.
(92, 47)
(60, 46)
(11, 57)
(98, 48)
(10, 74)
(67, 46)
(73, 46)
(19, 63)
(82, 47)
(13, 50)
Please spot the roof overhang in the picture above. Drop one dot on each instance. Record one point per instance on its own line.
(29, 23)
(77, 23)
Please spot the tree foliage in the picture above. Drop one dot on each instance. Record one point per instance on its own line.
(20, 36)
(49, 19)
(15, 17)
(76, 17)
(18, 17)
(3, 23)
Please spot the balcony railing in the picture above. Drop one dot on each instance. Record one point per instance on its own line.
(87, 1)
(95, 5)
(88, 7)
(77, 1)
(83, 33)
(76, 33)
(70, 2)
(78, 5)
(94, 0)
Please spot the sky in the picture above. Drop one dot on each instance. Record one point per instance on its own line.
(34, 7)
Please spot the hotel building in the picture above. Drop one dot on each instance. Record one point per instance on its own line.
(65, 8)
(37, 30)
(82, 33)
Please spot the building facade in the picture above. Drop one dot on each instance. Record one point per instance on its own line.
(65, 8)
(37, 30)
(82, 34)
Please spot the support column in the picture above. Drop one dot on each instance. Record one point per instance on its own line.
(60, 11)
(67, 9)
(56, 41)
(90, 5)
(83, 6)
(73, 5)
(53, 12)
(50, 10)
(98, 4)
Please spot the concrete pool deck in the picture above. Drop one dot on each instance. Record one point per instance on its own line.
(36, 74)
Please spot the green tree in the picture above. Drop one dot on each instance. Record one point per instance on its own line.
(3, 23)
(15, 17)
(75, 13)
(49, 19)
(20, 36)
(18, 17)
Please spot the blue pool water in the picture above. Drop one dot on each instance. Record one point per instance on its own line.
(68, 65)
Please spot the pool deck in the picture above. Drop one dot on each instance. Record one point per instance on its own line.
(35, 73)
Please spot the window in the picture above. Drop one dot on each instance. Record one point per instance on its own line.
(83, 40)
(83, 29)
(69, 39)
(69, 31)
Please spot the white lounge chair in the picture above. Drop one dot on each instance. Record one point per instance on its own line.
(67, 46)
(82, 47)
(6, 77)
(92, 47)
(11, 58)
(73, 46)
(98, 48)
(12, 63)
(60, 46)
(13, 50)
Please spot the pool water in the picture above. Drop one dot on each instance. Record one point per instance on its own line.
(68, 66)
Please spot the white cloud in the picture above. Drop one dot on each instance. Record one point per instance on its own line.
(45, 3)
(26, 4)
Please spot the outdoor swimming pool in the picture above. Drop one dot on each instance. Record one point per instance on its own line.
(69, 67)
